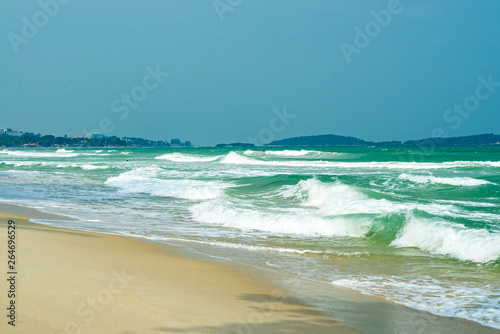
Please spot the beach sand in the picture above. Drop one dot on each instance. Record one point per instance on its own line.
(80, 282)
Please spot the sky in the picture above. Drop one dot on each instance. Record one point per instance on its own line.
(250, 71)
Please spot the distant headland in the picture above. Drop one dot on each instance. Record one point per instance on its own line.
(336, 141)
(12, 138)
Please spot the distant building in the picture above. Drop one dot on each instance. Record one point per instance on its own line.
(10, 132)
(14, 133)
(88, 135)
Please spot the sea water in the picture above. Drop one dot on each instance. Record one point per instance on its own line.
(417, 226)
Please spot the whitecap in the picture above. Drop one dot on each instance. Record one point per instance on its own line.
(454, 181)
(144, 180)
(179, 157)
(451, 239)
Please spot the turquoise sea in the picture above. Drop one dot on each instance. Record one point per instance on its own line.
(420, 227)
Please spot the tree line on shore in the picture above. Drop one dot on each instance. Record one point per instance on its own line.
(32, 140)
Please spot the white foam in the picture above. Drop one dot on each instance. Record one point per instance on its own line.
(454, 181)
(473, 302)
(467, 203)
(82, 166)
(291, 221)
(235, 158)
(143, 180)
(334, 199)
(23, 163)
(256, 248)
(307, 154)
(61, 153)
(93, 167)
(451, 239)
(179, 157)
(284, 153)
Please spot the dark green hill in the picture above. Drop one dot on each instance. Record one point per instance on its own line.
(335, 140)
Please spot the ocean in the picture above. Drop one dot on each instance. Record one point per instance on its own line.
(416, 226)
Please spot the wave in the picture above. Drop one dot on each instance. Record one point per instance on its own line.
(144, 180)
(235, 158)
(180, 157)
(454, 181)
(475, 303)
(295, 153)
(289, 222)
(284, 153)
(451, 239)
(23, 163)
(83, 166)
(335, 199)
(468, 203)
(22, 172)
(61, 153)
(253, 248)
(93, 167)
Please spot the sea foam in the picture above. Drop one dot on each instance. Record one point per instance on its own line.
(144, 180)
(454, 181)
(235, 158)
(452, 239)
(61, 153)
(290, 221)
(179, 157)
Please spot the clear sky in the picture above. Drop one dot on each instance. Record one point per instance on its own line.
(266, 69)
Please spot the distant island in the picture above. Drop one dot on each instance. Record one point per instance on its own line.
(335, 140)
(12, 138)
(236, 145)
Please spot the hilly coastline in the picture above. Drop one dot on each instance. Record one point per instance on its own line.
(336, 140)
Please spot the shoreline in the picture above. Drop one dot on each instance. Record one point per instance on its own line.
(83, 282)
(73, 266)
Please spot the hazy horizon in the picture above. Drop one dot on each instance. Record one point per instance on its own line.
(235, 71)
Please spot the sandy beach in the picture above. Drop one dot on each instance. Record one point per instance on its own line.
(79, 282)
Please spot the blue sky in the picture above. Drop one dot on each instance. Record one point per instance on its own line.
(233, 65)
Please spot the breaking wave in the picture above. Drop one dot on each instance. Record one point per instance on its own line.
(454, 181)
(145, 180)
